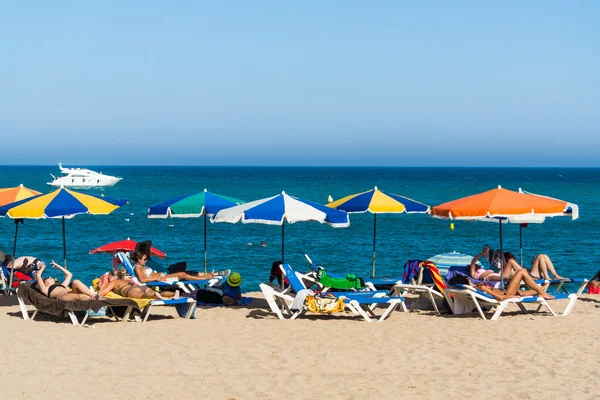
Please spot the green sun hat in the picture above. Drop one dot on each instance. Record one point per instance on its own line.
(234, 279)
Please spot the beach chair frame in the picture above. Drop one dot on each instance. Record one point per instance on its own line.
(480, 299)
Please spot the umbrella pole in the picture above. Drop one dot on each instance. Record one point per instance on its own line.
(374, 243)
(282, 252)
(502, 267)
(17, 222)
(521, 241)
(205, 243)
(64, 242)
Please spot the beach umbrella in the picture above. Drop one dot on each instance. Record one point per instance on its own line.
(204, 204)
(124, 246)
(279, 209)
(10, 195)
(61, 203)
(504, 205)
(377, 202)
(451, 259)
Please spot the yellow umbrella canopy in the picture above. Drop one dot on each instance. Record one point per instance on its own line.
(60, 203)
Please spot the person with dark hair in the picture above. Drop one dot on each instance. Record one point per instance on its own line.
(511, 290)
(479, 273)
(276, 272)
(540, 266)
(60, 291)
(145, 274)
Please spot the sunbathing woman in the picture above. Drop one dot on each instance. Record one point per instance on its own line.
(145, 274)
(540, 266)
(512, 289)
(126, 288)
(59, 291)
(482, 274)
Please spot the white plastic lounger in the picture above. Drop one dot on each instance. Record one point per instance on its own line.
(401, 289)
(280, 303)
(359, 303)
(479, 299)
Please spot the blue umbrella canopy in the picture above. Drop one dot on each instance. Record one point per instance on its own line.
(282, 208)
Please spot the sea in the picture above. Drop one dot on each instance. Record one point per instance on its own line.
(572, 245)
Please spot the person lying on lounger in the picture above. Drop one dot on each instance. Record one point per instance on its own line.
(540, 265)
(60, 291)
(479, 273)
(512, 289)
(126, 288)
(145, 274)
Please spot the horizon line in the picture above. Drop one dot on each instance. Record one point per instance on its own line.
(304, 166)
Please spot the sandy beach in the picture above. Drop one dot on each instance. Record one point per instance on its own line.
(246, 353)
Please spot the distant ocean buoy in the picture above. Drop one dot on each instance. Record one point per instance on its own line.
(451, 226)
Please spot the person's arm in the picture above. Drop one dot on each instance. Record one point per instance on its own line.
(473, 267)
(40, 281)
(68, 274)
(107, 288)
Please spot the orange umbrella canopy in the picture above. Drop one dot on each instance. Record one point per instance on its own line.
(504, 203)
(10, 195)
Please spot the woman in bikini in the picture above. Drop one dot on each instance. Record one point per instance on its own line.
(512, 289)
(126, 288)
(60, 291)
(540, 266)
(145, 274)
(482, 274)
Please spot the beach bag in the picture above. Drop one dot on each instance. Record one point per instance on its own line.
(180, 266)
(348, 282)
(329, 304)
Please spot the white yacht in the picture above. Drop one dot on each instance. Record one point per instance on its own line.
(82, 177)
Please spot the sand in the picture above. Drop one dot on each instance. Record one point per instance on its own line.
(246, 353)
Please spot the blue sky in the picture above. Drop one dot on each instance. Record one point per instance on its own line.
(301, 83)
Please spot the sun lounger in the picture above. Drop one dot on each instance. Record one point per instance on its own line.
(361, 303)
(479, 299)
(185, 286)
(26, 294)
(401, 288)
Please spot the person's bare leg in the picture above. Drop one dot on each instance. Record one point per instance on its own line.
(80, 288)
(537, 269)
(550, 267)
(161, 296)
(186, 277)
(534, 286)
(75, 296)
(515, 282)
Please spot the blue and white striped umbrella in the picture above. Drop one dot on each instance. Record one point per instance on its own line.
(453, 259)
(281, 208)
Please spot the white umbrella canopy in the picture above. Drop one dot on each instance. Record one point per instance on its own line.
(278, 209)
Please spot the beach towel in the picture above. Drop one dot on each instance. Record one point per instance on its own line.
(58, 307)
(349, 282)
(327, 304)
(435, 275)
(411, 269)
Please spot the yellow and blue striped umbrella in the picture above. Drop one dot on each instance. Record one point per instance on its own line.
(377, 202)
(62, 203)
